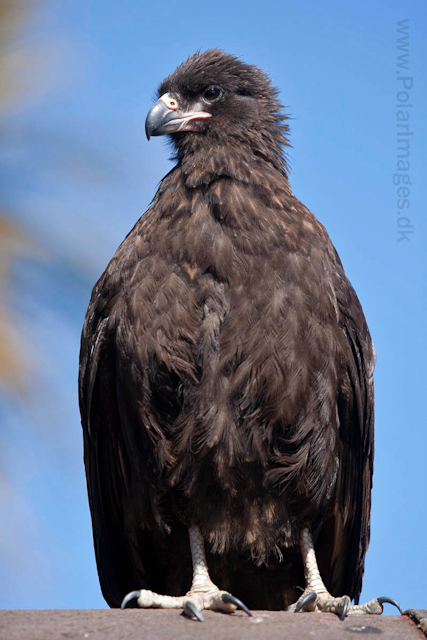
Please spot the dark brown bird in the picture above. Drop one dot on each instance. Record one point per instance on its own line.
(226, 367)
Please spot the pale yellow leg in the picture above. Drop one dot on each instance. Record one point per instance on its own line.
(204, 594)
(317, 598)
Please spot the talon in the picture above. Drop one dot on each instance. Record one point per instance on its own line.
(229, 599)
(385, 600)
(308, 599)
(130, 596)
(193, 610)
(345, 607)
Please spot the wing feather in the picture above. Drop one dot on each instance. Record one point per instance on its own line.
(348, 529)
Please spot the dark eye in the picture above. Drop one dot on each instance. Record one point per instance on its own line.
(212, 94)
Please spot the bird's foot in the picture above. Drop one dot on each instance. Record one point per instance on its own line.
(317, 598)
(205, 596)
(210, 597)
(323, 601)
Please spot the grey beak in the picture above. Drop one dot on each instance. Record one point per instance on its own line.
(158, 120)
(163, 119)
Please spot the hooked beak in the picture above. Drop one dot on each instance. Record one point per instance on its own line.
(166, 117)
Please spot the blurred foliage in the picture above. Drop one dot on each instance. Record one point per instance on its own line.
(11, 15)
(11, 351)
(12, 58)
(57, 156)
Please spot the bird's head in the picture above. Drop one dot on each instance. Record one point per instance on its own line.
(215, 99)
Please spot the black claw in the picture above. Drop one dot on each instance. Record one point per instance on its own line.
(229, 599)
(308, 599)
(130, 596)
(194, 610)
(345, 608)
(386, 600)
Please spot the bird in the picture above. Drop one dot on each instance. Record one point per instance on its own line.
(226, 375)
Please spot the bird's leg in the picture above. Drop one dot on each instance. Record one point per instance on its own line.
(317, 598)
(204, 594)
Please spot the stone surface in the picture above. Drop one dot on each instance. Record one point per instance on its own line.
(419, 616)
(153, 624)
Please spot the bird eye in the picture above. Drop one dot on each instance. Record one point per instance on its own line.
(212, 94)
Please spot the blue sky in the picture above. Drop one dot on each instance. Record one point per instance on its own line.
(77, 172)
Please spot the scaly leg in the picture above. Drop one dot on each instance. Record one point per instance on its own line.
(317, 598)
(204, 594)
